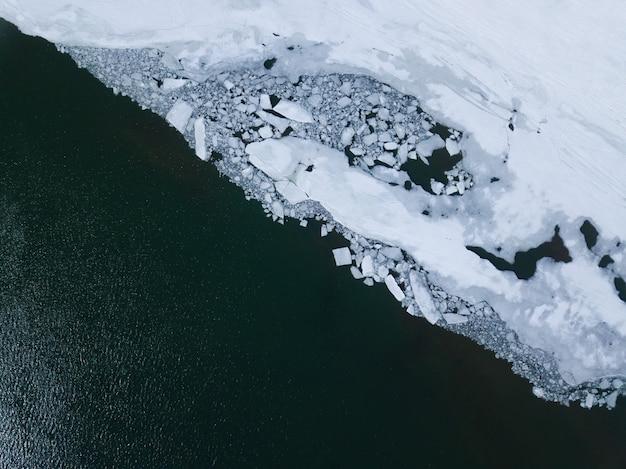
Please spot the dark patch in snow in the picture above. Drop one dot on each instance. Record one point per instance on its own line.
(590, 233)
(620, 285)
(525, 263)
(269, 63)
(605, 261)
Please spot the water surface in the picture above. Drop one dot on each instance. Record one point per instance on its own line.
(150, 316)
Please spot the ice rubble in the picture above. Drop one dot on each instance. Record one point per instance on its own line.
(530, 125)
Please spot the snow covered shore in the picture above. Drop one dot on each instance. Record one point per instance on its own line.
(531, 97)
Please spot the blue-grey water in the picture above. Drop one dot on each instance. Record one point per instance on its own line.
(152, 317)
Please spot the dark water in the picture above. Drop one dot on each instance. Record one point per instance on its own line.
(151, 317)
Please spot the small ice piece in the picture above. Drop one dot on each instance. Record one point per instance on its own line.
(436, 186)
(426, 147)
(451, 189)
(374, 99)
(278, 122)
(315, 100)
(460, 186)
(323, 231)
(403, 152)
(539, 392)
(367, 266)
(393, 287)
(588, 401)
(452, 146)
(423, 298)
(346, 88)
(452, 318)
(343, 256)
(264, 101)
(357, 151)
(233, 142)
(265, 131)
(343, 102)
(369, 281)
(370, 139)
(382, 271)
(383, 114)
(199, 133)
(392, 253)
(293, 111)
(179, 115)
(277, 209)
(390, 146)
(617, 383)
(173, 83)
(611, 399)
(356, 273)
(304, 222)
(346, 136)
(387, 158)
(228, 84)
(384, 137)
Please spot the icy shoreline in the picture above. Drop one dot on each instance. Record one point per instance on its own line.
(237, 113)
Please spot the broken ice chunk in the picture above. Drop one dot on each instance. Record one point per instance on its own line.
(346, 88)
(323, 231)
(315, 100)
(277, 209)
(452, 318)
(387, 158)
(390, 146)
(173, 83)
(393, 287)
(265, 131)
(264, 101)
(452, 189)
(426, 147)
(199, 132)
(346, 136)
(343, 256)
(374, 99)
(170, 61)
(370, 139)
(384, 137)
(403, 152)
(367, 266)
(423, 298)
(293, 111)
(460, 186)
(179, 115)
(436, 186)
(452, 146)
(356, 273)
(343, 102)
(278, 122)
(392, 253)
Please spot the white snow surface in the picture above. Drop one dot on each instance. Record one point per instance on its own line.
(553, 69)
